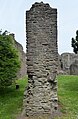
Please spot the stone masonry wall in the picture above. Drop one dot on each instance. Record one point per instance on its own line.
(74, 68)
(22, 55)
(67, 61)
(40, 96)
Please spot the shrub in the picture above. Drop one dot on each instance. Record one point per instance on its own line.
(9, 60)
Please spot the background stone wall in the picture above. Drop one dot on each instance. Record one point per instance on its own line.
(68, 63)
(74, 68)
(22, 55)
(40, 96)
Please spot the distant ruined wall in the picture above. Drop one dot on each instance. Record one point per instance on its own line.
(22, 55)
(74, 68)
(68, 63)
(40, 96)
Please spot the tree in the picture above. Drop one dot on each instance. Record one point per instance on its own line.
(9, 59)
(75, 43)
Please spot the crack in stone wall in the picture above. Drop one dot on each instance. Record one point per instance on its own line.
(40, 97)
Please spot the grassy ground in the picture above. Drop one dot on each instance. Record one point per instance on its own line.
(68, 96)
(11, 100)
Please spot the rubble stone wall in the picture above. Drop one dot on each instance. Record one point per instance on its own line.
(74, 68)
(22, 55)
(40, 96)
(67, 62)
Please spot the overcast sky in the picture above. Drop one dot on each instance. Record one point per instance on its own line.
(12, 18)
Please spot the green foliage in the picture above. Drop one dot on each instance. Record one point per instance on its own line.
(11, 100)
(75, 43)
(9, 60)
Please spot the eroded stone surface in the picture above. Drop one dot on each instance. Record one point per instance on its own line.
(69, 63)
(74, 68)
(40, 96)
(22, 55)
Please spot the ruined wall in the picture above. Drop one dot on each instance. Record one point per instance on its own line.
(22, 55)
(74, 68)
(68, 63)
(40, 96)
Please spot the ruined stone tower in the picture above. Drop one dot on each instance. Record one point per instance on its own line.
(40, 96)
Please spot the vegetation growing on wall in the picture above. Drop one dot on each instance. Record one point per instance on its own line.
(9, 59)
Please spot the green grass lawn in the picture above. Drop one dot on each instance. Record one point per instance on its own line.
(11, 100)
(68, 96)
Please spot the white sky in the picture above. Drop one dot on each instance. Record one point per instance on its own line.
(12, 18)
